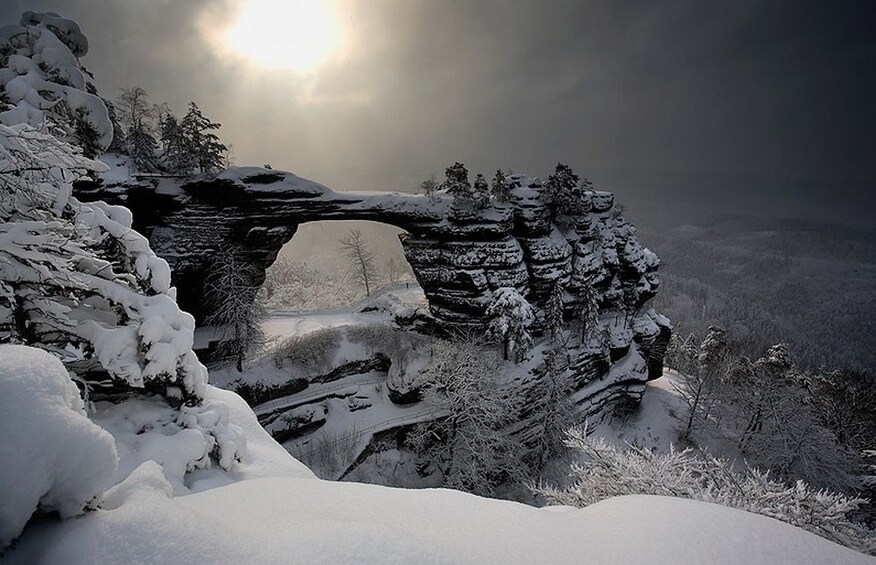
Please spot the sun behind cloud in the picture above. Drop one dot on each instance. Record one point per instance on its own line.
(296, 35)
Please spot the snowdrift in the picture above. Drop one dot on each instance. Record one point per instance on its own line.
(270, 509)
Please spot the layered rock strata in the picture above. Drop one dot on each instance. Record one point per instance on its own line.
(460, 254)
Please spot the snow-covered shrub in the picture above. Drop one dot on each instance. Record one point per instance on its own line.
(329, 454)
(313, 351)
(41, 80)
(605, 471)
(52, 458)
(75, 279)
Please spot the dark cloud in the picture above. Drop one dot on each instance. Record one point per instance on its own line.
(781, 91)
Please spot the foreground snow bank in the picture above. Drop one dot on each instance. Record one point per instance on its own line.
(268, 508)
(312, 521)
(51, 456)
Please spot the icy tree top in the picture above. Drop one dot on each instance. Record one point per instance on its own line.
(41, 77)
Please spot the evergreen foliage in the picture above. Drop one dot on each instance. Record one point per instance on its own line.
(480, 192)
(500, 188)
(510, 317)
(456, 183)
(204, 145)
(561, 192)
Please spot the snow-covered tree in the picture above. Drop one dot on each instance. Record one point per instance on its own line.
(588, 312)
(133, 108)
(178, 156)
(561, 192)
(466, 440)
(510, 316)
(702, 384)
(779, 426)
(77, 281)
(604, 471)
(554, 308)
(500, 188)
(456, 183)
(136, 115)
(204, 145)
(43, 83)
(480, 192)
(552, 411)
(362, 266)
(237, 312)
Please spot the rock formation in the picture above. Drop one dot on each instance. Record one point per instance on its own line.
(459, 253)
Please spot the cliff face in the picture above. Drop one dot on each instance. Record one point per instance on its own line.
(459, 254)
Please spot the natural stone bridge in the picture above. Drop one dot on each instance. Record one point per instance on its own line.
(459, 254)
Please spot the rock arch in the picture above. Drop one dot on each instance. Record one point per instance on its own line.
(459, 254)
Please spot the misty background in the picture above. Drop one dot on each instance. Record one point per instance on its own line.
(739, 136)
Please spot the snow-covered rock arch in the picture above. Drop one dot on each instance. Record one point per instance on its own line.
(459, 254)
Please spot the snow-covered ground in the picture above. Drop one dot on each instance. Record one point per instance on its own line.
(271, 510)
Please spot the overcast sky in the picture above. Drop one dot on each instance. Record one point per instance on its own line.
(777, 90)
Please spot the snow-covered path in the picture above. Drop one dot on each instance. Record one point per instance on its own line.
(318, 392)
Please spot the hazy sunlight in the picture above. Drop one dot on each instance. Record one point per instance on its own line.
(297, 35)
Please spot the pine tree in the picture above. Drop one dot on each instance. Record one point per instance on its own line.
(86, 136)
(553, 310)
(561, 192)
(480, 192)
(589, 312)
(510, 317)
(207, 151)
(500, 187)
(456, 183)
(178, 156)
(142, 148)
(551, 406)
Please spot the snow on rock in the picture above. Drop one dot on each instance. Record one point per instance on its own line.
(40, 76)
(87, 284)
(51, 456)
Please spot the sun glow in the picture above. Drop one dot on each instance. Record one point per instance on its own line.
(297, 35)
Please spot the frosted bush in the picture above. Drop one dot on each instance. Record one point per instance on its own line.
(605, 471)
(313, 351)
(52, 458)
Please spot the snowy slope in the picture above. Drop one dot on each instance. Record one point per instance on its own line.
(313, 521)
(270, 509)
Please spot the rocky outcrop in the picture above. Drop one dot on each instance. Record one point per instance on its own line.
(460, 254)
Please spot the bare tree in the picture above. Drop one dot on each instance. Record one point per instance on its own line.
(362, 267)
(429, 186)
(393, 270)
(467, 442)
(552, 409)
(237, 310)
